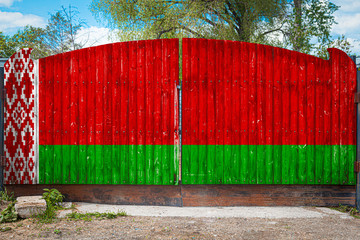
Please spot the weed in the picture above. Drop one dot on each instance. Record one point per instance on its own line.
(5, 196)
(19, 225)
(57, 231)
(8, 214)
(53, 198)
(89, 216)
(347, 209)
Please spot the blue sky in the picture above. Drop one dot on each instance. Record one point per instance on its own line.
(15, 14)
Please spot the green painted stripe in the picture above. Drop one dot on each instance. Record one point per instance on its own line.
(109, 164)
(268, 164)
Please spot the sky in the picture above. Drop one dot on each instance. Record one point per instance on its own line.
(15, 14)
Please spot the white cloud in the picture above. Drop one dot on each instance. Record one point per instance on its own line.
(94, 36)
(12, 20)
(8, 3)
(348, 19)
(347, 24)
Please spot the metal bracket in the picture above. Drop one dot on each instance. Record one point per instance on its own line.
(357, 167)
(357, 97)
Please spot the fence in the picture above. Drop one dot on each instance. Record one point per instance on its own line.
(252, 114)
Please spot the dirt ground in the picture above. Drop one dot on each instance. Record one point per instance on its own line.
(129, 227)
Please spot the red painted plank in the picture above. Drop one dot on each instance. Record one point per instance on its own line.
(220, 111)
(140, 112)
(124, 109)
(99, 114)
(211, 109)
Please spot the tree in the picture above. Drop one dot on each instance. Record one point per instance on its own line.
(61, 31)
(308, 24)
(7, 48)
(31, 37)
(221, 19)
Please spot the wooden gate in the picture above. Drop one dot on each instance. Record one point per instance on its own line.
(255, 114)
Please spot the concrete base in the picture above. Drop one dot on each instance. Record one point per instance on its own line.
(30, 205)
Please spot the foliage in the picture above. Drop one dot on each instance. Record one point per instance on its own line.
(89, 216)
(53, 198)
(347, 209)
(5, 196)
(61, 31)
(9, 214)
(30, 37)
(340, 43)
(306, 21)
(222, 19)
(60, 35)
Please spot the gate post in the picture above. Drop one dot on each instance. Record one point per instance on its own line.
(357, 163)
(2, 98)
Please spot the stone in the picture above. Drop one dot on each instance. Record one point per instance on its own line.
(30, 205)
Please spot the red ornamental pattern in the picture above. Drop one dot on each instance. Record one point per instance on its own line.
(19, 139)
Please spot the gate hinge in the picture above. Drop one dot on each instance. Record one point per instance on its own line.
(3, 161)
(357, 97)
(356, 166)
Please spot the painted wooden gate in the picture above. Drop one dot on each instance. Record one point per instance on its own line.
(252, 114)
(255, 114)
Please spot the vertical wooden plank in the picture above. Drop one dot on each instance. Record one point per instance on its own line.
(115, 110)
(124, 110)
(99, 115)
(228, 72)
(158, 74)
(310, 115)
(294, 117)
(344, 116)
(236, 113)
(83, 79)
(203, 118)
(335, 118)
(165, 116)
(174, 112)
(285, 65)
(132, 111)
(278, 111)
(42, 118)
(66, 117)
(211, 108)
(220, 112)
(49, 121)
(244, 112)
(269, 117)
(57, 119)
(252, 101)
(186, 111)
(140, 165)
(319, 121)
(352, 71)
(108, 115)
(74, 113)
(302, 119)
(260, 115)
(327, 123)
(195, 111)
(90, 121)
(149, 123)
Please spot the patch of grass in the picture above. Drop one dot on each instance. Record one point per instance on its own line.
(6, 196)
(90, 216)
(9, 214)
(347, 209)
